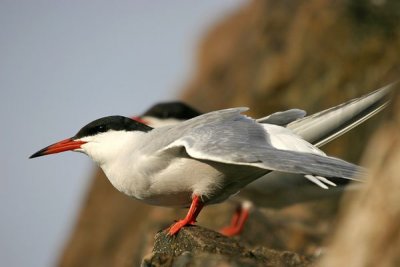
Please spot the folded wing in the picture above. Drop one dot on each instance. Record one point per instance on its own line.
(227, 136)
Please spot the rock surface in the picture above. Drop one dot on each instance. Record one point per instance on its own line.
(197, 246)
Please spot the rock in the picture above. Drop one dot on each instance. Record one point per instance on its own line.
(198, 246)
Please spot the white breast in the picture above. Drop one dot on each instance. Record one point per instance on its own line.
(162, 181)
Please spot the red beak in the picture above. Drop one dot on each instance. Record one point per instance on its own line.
(139, 119)
(64, 145)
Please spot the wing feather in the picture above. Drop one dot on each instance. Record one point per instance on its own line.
(226, 136)
(283, 118)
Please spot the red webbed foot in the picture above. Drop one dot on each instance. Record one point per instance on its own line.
(237, 223)
(190, 218)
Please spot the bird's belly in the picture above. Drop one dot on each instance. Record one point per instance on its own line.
(213, 182)
(179, 179)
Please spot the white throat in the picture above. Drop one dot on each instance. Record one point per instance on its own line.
(112, 146)
(156, 122)
(117, 153)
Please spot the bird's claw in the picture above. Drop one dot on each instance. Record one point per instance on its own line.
(230, 231)
(176, 227)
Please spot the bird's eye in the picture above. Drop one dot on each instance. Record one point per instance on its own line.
(101, 128)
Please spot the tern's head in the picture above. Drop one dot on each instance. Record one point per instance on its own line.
(100, 139)
(167, 113)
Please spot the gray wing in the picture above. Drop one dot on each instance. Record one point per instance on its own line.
(282, 118)
(226, 136)
(329, 124)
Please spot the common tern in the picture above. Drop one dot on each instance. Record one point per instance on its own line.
(277, 189)
(201, 161)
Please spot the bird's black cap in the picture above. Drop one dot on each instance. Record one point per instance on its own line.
(172, 110)
(116, 123)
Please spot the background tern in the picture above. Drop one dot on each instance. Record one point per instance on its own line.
(201, 161)
(277, 189)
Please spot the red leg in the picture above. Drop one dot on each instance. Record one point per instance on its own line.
(190, 218)
(234, 220)
(237, 223)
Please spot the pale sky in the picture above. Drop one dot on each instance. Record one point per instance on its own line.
(62, 65)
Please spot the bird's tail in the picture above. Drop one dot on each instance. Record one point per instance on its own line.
(325, 126)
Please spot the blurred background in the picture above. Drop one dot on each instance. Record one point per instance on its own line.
(64, 64)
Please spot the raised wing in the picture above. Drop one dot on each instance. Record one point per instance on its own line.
(226, 136)
(324, 126)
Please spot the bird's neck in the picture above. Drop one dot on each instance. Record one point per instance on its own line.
(121, 159)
